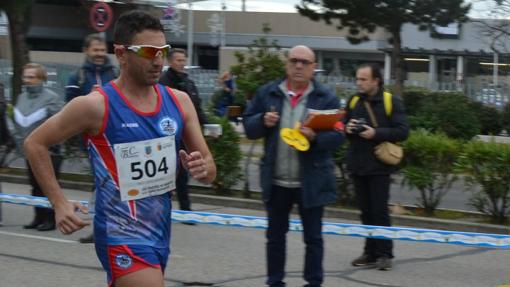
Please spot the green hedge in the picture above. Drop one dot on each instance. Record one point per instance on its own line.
(488, 164)
(226, 151)
(450, 113)
(428, 166)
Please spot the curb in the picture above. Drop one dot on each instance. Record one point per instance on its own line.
(255, 204)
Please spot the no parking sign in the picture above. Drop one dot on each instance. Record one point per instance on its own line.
(101, 16)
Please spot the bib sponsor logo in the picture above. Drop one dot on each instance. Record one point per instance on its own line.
(130, 125)
(148, 150)
(128, 152)
(168, 126)
(133, 192)
(124, 261)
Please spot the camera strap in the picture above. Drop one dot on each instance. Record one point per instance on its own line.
(370, 114)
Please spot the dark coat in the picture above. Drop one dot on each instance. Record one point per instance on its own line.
(83, 80)
(4, 132)
(360, 156)
(316, 165)
(182, 82)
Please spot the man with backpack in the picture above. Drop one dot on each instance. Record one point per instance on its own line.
(95, 72)
(373, 117)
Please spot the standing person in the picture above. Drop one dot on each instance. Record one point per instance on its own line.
(96, 71)
(177, 78)
(5, 135)
(288, 176)
(372, 177)
(133, 127)
(35, 105)
(224, 97)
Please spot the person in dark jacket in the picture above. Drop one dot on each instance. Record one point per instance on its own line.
(371, 176)
(177, 78)
(96, 71)
(288, 176)
(5, 136)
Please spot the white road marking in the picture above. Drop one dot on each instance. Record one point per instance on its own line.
(174, 256)
(37, 237)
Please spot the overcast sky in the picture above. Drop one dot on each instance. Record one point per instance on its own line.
(480, 7)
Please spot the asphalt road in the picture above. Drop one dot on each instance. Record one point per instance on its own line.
(208, 255)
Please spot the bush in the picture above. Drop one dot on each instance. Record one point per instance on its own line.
(346, 194)
(428, 166)
(227, 155)
(505, 118)
(489, 117)
(260, 65)
(449, 113)
(488, 164)
(413, 99)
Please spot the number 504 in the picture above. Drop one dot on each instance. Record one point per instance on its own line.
(148, 169)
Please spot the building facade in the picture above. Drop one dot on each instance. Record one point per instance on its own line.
(458, 57)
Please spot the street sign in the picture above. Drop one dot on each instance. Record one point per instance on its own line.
(101, 16)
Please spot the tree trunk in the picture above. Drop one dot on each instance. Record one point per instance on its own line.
(18, 17)
(397, 60)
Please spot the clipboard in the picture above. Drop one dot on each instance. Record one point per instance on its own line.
(323, 121)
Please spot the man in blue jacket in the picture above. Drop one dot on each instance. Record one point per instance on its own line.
(287, 175)
(95, 72)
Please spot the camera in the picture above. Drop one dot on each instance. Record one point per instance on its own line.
(358, 127)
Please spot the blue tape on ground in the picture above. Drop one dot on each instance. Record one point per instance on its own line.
(344, 229)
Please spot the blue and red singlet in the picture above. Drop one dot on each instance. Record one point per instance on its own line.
(137, 151)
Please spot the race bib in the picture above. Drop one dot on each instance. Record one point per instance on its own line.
(146, 168)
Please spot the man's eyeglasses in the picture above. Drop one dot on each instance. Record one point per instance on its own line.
(305, 62)
(148, 51)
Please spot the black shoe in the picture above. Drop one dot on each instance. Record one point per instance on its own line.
(47, 226)
(384, 263)
(33, 225)
(363, 260)
(188, 223)
(87, 239)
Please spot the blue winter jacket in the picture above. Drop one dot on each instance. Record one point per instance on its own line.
(316, 165)
(89, 74)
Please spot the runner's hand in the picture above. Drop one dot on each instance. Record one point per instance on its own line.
(66, 219)
(194, 163)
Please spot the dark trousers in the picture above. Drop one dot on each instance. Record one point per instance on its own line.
(43, 215)
(181, 187)
(372, 195)
(278, 211)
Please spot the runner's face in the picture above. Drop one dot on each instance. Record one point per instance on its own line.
(146, 71)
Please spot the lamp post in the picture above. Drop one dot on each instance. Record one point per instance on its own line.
(190, 32)
(223, 24)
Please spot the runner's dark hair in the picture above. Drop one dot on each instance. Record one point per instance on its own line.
(133, 22)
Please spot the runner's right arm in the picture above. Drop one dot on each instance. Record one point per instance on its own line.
(81, 115)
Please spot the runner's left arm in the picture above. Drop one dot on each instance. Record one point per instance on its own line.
(197, 159)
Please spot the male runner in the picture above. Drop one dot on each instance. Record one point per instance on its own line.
(133, 127)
